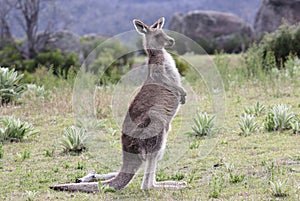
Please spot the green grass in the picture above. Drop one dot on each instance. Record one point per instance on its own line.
(27, 169)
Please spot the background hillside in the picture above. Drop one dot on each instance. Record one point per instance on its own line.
(110, 17)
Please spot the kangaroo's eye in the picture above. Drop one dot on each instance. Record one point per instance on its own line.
(157, 36)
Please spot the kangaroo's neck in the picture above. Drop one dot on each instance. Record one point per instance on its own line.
(161, 67)
(155, 56)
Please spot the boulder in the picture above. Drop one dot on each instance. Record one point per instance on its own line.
(213, 30)
(273, 13)
(64, 40)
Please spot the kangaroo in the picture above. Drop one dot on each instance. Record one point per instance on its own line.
(148, 119)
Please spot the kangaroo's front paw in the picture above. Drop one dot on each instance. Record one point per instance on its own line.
(182, 97)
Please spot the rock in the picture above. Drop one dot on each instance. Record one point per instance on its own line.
(213, 30)
(273, 13)
(64, 40)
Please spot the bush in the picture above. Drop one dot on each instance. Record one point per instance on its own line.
(9, 55)
(203, 124)
(279, 118)
(10, 89)
(14, 129)
(59, 61)
(74, 139)
(283, 42)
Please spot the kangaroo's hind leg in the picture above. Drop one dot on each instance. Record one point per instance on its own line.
(149, 180)
(130, 166)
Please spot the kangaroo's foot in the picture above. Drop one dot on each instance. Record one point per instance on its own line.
(92, 176)
(172, 185)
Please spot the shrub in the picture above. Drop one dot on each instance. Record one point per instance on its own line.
(60, 62)
(247, 124)
(203, 124)
(279, 117)
(74, 139)
(282, 42)
(14, 129)
(10, 89)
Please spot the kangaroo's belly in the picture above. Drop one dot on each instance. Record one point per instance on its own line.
(150, 114)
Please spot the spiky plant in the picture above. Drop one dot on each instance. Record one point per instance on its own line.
(15, 130)
(247, 124)
(10, 89)
(279, 188)
(74, 139)
(203, 124)
(279, 117)
(296, 126)
(257, 109)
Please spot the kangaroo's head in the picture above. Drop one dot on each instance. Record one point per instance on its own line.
(154, 36)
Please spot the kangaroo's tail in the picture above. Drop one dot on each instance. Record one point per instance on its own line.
(130, 166)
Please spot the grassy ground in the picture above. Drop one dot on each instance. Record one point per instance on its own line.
(238, 168)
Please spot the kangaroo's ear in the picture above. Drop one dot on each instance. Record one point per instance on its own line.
(159, 23)
(140, 27)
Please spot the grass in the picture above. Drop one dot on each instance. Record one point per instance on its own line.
(27, 169)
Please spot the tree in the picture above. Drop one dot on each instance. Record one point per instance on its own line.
(29, 22)
(5, 9)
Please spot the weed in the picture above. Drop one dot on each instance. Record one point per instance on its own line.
(279, 188)
(15, 130)
(247, 124)
(105, 188)
(203, 124)
(161, 176)
(49, 153)
(23, 156)
(217, 186)
(80, 166)
(279, 118)
(10, 89)
(236, 178)
(74, 139)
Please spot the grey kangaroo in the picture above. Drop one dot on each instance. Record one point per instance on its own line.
(148, 119)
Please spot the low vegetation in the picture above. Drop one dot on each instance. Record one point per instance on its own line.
(203, 124)
(13, 129)
(73, 139)
(10, 88)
